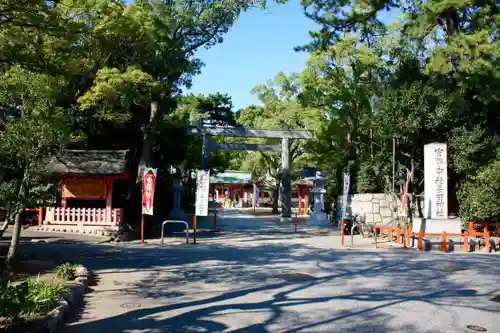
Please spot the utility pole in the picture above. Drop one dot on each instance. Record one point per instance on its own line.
(394, 201)
(393, 164)
(205, 153)
(371, 143)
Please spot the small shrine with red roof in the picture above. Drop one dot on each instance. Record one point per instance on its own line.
(87, 178)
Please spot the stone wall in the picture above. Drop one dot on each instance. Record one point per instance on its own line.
(377, 207)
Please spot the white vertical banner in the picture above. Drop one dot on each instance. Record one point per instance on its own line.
(256, 195)
(345, 194)
(202, 189)
(403, 212)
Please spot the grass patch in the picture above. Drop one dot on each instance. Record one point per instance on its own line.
(29, 298)
(66, 271)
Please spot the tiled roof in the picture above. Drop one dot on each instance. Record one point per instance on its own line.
(89, 162)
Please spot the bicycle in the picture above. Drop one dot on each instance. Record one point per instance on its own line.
(362, 227)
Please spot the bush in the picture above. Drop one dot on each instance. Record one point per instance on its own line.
(366, 179)
(29, 298)
(66, 271)
(479, 197)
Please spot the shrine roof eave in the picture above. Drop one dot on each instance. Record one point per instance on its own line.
(229, 182)
(94, 163)
(125, 175)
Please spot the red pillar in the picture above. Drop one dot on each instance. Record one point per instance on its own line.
(40, 216)
(487, 239)
(306, 200)
(300, 199)
(420, 244)
(444, 242)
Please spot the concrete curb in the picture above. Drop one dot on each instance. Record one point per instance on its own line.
(75, 230)
(76, 289)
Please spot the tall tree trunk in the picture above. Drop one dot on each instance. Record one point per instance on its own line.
(276, 195)
(5, 224)
(19, 205)
(147, 140)
(144, 154)
(14, 242)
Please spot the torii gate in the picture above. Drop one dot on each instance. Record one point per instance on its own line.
(243, 132)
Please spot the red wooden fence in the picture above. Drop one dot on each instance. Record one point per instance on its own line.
(85, 216)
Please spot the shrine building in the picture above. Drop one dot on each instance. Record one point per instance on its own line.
(87, 180)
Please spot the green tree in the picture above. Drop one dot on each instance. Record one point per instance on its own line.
(156, 37)
(174, 146)
(214, 109)
(436, 79)
(342, 81)
(123, 65)
(33, 128)
(281, 110)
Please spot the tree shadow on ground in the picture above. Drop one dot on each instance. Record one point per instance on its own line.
(348, 291)
(203, 318)
(29, 263)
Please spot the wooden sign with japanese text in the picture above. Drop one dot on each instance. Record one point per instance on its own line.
(84, 189)
(202, 189)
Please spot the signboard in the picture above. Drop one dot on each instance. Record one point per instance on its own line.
(148, 190)
(436, 180)
(85, 189)
(345, 194)
(202, 189)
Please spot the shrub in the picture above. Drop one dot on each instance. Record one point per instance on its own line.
(29, 298)
(479, 196)
(13, 299)
(66, 271)
(366, 179)
(44, 297)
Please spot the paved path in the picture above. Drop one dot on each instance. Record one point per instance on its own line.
(281, 284)
(245, 220)
(258, 276)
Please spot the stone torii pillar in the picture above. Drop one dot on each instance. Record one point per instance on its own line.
(285, 184)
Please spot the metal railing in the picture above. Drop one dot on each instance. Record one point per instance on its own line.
(175, 221)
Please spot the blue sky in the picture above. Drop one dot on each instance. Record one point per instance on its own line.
(259, 45)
